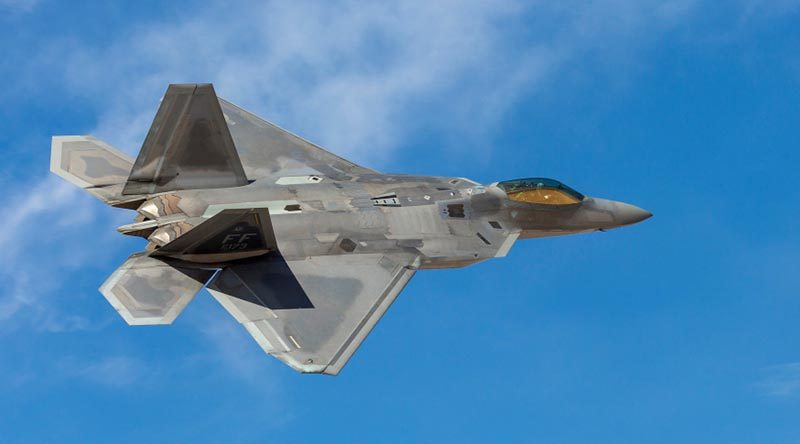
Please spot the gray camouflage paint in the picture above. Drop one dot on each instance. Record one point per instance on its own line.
(313, 248)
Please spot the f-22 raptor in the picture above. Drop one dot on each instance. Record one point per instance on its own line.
(306, 249)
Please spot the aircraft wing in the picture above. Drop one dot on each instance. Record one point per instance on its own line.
(313, 313)
(198, 141)
(267, 150)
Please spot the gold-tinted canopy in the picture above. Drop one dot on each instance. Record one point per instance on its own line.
(540, 191)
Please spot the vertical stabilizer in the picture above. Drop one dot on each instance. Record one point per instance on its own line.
(188, 146)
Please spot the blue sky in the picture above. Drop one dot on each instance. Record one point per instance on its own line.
(680, 329)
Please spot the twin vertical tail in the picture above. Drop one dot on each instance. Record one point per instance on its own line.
(188, 146)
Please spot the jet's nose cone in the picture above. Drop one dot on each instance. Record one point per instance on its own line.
(603, 214)
(627, 214)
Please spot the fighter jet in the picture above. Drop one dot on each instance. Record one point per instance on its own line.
(306, 249)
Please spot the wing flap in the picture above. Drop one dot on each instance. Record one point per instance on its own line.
(347, 296)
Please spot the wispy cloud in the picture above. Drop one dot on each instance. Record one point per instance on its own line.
(781, 380)
(19, 5)
(44, 200)
(360, 78)
(346, 72)
(354, 76)
(350, 75)
(111, 371)
(234, 347)
(754, 9)
(44, 240)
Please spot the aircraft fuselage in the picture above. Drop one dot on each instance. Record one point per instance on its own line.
(449, 222)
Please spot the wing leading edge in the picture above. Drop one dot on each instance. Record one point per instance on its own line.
(266, 150)
(312, 314)
(198, 140)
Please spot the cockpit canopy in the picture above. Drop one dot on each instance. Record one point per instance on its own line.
(541, 191)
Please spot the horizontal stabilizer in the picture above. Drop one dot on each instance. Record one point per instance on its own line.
(148, 291)
(188, 146)
(92, 165)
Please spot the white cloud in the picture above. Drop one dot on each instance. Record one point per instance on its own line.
(781, 380)
(344, 71)
(19, 5)
(44, 239)
(52, 368)
(48, 198)
(356, 77)
(753, 9)
(360, 78)
(112, 371)
(234, 347)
